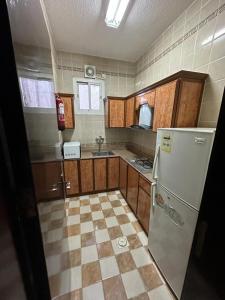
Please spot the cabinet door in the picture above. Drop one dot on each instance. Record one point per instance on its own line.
(100, 174)
(68, 110)
(71, 177)
(143, 209)
(148, 97)
(116, 113)
(130, 112)
(86, 175)
(113, 172)
(123, 178)
(48, 182)
(132, 188)
(164, 105)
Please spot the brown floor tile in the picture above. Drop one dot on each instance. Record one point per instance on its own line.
(103, 199)
(143, 296)
(85, 217)
(108, 213)
(123, 219)
(134, 241)
(99, 224)
(127, 208)
(105, 249)
(114, 289)
(87, 239)
(60, 206)
(150, 277)
(137, 226)
(54, 284)
(125, 262)
(71, 230)
(75, 295)
(116, 203)
(91, 273)
(71, 259)
(66, 205)
(45, 217)
(96, 207)
(84, 202)
(115, 232)
(54, 224)
(119, 196)
(93, 196)
(111, 193)
(53, 248)
(74, 211)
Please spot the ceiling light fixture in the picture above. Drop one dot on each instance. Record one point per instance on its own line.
(115, 12)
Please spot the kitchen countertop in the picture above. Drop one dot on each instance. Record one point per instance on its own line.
(123, 153)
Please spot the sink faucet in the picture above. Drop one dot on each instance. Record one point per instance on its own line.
(99, 141)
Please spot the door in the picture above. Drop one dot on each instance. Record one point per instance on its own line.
(116, 113)
(164, 105)
(71, 174)
(172, 226)
(182, 166)
(86, 175)
(123, 178)
(48, 180)
(132, 188)
(113, 172)
(100, 174)
(143, 208)
(130, 112)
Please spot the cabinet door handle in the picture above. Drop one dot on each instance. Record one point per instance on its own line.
(54, 188)
(68, 185)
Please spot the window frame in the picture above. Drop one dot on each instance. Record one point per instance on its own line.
(88, 81)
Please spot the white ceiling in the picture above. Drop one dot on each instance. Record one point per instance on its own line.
(78, 26)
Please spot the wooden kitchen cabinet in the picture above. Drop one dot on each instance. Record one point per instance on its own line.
(115, 112)
(48, 180)
(100, 174)
(68, 110)
(132, 188)
(71, 174)
(113, 172)
(144, 203)
(86, 175)
(123, 178)
(148, 97)
(129, 111)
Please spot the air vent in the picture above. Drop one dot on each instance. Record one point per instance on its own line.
(89, 71)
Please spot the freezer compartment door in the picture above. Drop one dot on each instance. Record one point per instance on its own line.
(183, 162)
(172, 226)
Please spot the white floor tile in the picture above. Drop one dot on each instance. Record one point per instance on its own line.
(53, 264)
(57, 214)
(143, 238)
(97, 215)
(84, 197)
(141, 257)
(89, 254)
(86, 227)
(113, 197)
(94, 291)
(74, 203)
(111, 222)
(106, 205)
(127, 229)
(85, 209)
(54, 235)
(72, 220)
(102, 236)
(118, 250)
(109, 267)
(131, 217)
(94, 201)
(71, 243)
(133, 283)
(119, 210)
(102, 194)
(70, 280)
(160, 293)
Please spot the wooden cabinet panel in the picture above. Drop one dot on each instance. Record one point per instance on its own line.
(47, 179)
(71, 177)
(164, 105)
(145, 185)
(116, 113)
(86, 175)
(188, 103)
(123, 178)
(143, 208)
(113, 172)
(129, 112)
(132, 188)
(68, 110)
(100, 174)
(148, 97)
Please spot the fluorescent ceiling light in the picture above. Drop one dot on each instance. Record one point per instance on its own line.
(115, 12)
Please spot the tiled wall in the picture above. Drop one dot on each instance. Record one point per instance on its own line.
(195, 42)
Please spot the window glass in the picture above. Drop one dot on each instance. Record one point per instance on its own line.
(83, 95)
(95, 96)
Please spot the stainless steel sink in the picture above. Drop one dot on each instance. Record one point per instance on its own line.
(102, 153)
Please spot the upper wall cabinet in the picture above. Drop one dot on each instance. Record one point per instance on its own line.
(129, 111)
(68, 110)
(114, 112)
(148, 97)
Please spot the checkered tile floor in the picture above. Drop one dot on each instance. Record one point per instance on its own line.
(83, 258)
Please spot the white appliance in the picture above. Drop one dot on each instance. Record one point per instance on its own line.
(179, 169)
(71, 150)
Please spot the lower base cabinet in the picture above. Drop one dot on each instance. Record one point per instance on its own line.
(132, 188)
(143, 209)
(86, 175)
(123, 178)
(71, 174)
(100, 174)
(113, 172)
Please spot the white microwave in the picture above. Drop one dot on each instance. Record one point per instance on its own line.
(71, 150)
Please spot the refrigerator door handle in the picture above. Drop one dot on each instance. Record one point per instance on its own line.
(153, 185)
(154, 174)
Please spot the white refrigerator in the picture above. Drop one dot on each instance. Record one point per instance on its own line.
(180, 169)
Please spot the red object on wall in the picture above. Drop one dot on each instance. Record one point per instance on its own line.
(60, 113)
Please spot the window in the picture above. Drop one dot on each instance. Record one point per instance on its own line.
(89, 96)
(37, 92)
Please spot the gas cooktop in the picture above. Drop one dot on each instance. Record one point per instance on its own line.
(142, 164)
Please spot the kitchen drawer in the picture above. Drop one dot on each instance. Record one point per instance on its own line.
(145, 185)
